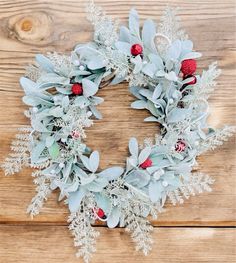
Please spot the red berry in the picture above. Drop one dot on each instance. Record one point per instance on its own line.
(147, 163)
(77, 89)
(180, 146)
(188, 66)
(100, 213)
(136, 50)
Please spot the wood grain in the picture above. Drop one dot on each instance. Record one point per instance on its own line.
(38, 26)
(172, 245)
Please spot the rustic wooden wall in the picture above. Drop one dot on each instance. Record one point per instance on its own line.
(199, 231)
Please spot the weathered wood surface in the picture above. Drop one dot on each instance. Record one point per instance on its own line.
(30, 27)
(54, 244)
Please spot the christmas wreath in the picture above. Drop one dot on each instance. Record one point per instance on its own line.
(160, 66)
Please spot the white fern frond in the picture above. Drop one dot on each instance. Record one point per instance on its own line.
(170, 26)
(197, 184)
(41, 165)
(84, 234)
(105, 29)
(140, 230)
(176, 197)
(217, 138)
(19, 157)
(61, 62)
(43, 191)
(207, 83)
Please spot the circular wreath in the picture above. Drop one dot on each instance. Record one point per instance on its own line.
(160, 67)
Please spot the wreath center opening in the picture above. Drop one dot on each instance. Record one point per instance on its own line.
(119, 123)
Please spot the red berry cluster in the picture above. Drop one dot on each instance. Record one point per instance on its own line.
(77, 89)
(136, 50)
(188, 68)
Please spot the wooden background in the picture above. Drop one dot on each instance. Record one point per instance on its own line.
(201, 230)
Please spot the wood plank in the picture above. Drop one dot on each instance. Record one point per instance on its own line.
(54, 244)
(213, 35)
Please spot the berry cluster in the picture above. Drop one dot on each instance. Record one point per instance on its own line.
(77, 89)
(188, 68)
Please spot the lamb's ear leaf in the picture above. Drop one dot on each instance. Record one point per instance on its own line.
(123, 47)
(124, 34)
(117, 79)
(157, 92)
(37, 150)
(97, 185)
(85, 161)
(134, 23)
(28, 85)
(135, 91)
(112, 173)
(149, 69)
(139, 104)
(49, 140)
(148, 34)
(133, 146)
(144, 154)
(187, 45)
(44, 63)
(114, 217)
(56, 111)
(75, 199)
(38, 126)
(31, 101)
(97, 114)
(155, 190)
(89, 87)
(138, 178)
(68, 168)
(174, 50)
(96, 63)
(191, 55)
(65, 102)
(178, 114)
(151, 119)
(94, 161)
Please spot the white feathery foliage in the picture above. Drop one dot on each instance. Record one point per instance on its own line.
(105, 29)
(40, 165)
(117, 62)
(197, 184)
(84, 234)
(60, 62)
(217, 138)
(170, 26)
(19, 156)
(207, 83)
(140, 230)
(43, 191)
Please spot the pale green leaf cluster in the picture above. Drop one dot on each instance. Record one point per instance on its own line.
(55, 143)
